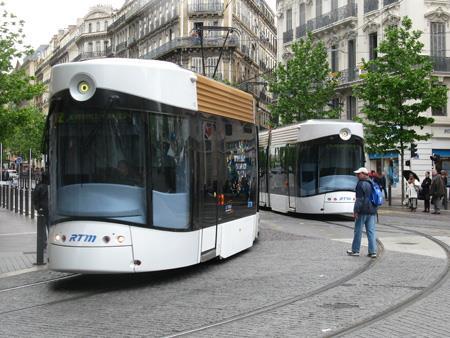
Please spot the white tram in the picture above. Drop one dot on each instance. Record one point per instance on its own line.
(308, 167)
(152, 167)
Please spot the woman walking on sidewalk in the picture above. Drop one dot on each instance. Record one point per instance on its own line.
(412, 193)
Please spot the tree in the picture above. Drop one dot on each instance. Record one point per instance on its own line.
(304, 86)
(16, 87)
(397, 88)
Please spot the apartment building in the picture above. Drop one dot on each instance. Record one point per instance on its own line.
(230, 40)
(86, 39)
(351, 31)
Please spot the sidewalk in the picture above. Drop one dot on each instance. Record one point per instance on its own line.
(396, 204)
(17, 243)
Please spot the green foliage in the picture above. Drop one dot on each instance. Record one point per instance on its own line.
(16, 87)
(305, 85)
(397, 88)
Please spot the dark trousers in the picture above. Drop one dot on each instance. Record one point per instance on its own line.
(427, 204)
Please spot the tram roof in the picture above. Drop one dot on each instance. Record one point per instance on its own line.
(159, 81)
(308, 130)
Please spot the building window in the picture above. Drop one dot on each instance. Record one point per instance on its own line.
(437, 36)
(98, 26)
(373, 44)
(334, 5)
(289, 19)
(351, 107)
(442, 111)
(318, 8)
(90, 28)
(302, 13)
(334, 58)
(106, 25)
(351, 60)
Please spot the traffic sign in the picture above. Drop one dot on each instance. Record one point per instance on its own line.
(19, 160)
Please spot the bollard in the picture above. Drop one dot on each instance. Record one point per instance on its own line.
(26, 203)
(41, 236)
(7, 197)
(16, 200)
(11, 198)
(390, 194)
(21, 201)
(1, 196)
(31, 208)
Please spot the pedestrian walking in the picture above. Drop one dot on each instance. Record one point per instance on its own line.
(383, 184)
(40, 198)
(426, 191)
(437, 191)
(412, 193)
(364, 213)
(444, 176)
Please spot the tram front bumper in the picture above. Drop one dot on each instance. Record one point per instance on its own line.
(91, 259)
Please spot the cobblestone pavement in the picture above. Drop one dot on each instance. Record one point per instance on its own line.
(293, 256)
(17, 242)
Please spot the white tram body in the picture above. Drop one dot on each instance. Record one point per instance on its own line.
(308, 167)
(152, 167)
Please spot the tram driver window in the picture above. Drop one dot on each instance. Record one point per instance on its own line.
(170, 171)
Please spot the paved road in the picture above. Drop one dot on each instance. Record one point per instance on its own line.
(293, 259)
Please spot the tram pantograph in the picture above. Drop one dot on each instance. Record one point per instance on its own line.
(152, 167)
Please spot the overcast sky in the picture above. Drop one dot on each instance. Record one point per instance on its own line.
(43, 18)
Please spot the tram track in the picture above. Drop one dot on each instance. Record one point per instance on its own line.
(408, 301)
(360, 324)
(48, 281)
(288, 301)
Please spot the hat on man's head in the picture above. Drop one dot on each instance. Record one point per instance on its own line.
(362, 170)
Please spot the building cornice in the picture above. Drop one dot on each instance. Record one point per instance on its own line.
(371, 27)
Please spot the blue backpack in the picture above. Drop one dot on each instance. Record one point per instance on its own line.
(376, 197)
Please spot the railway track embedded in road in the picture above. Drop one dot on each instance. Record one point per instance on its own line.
(288, 301)
(408, 301)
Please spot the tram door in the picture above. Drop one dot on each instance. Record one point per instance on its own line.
(290, 162)
(210, 163)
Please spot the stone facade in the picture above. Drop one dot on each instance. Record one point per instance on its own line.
(351, 29)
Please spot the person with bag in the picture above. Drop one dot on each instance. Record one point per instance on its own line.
(364, 213)
(445, 182)
(437, 191)
(425, 192)
(412, 193)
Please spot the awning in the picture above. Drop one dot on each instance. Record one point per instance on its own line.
(389, 154)
(441, 152)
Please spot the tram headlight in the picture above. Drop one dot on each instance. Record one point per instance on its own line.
(82, 87)
(120, 239)
(345, 134)
(57, 237)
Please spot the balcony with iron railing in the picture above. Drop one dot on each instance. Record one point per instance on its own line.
(348, 75)
(288, 36)
(121, 46)
(90, 55)
(300, 31)
(370, 5)
(333, 17)
(440, 63)
(389, 2)
(189, 42)
(196, 7)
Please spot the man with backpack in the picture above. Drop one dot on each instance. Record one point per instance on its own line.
(368, 198)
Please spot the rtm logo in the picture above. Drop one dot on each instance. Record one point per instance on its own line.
(82, 238)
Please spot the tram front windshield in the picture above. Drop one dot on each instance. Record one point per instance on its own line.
(327, 165)
(100, 167)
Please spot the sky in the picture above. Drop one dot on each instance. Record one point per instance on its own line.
(43, 18)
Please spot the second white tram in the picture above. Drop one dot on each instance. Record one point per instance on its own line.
(308, 167)
(152, 167)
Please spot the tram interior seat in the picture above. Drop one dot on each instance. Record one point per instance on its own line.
(171, 210)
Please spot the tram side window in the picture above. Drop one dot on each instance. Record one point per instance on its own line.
(308, 170)
(277, 173)
(241, 171)
(170, 171)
